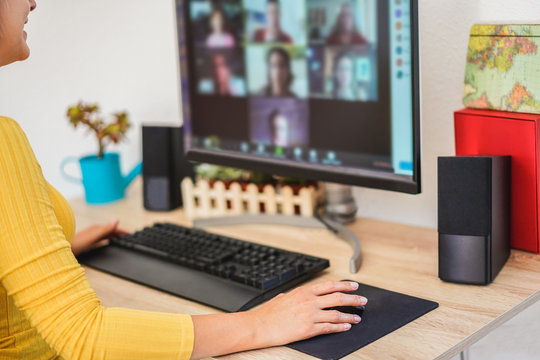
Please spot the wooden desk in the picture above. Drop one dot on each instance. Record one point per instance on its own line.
(395, 257)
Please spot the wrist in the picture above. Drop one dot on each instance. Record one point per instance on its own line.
(220, 334)
(263, 335)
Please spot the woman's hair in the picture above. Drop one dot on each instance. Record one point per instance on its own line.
(335, 82)
(337, 29)
(286, 58)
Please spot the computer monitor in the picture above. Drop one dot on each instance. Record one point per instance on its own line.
(319, 89)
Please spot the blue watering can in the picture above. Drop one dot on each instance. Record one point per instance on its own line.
(102, 178)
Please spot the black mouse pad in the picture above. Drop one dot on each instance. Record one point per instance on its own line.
(385, 312)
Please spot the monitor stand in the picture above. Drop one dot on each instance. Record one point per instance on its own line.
(310, 222)
(339, 204)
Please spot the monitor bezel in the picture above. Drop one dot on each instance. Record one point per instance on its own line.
(347, 176)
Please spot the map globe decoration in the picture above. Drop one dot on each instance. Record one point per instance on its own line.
(503, 68)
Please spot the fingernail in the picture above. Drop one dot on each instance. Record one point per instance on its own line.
(354, 285)
(363, 300)
(357, 319)
(347, 327)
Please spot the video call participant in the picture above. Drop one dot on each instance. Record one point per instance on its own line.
(280, 76)
(345, 31)
(272, 32)
(219, 38)
(279, 128)
(221, 76)
(344, 84)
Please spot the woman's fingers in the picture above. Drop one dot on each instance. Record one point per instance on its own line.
(117, 233)
(100, 232)
(340, 299)
(112, 230)
(121, 231)
(336, 317)
(329, 287)
(329, 328)
(99, 244)
(299, 314)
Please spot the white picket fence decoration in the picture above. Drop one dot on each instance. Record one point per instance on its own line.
(203, 200)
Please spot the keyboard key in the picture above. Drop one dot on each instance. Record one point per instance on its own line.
(267, 282)
(239, 277)
(287, 274)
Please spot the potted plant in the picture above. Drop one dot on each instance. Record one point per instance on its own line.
(227, 175)
(101, 175)
(221, 190)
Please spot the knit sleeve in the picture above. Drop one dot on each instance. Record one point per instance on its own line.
(38, 269)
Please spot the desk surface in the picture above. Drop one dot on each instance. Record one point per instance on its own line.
(395, 257)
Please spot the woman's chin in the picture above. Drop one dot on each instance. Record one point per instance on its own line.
(24, 52)
(20, 55)
(25, 56)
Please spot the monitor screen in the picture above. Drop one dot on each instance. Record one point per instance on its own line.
(320, 89)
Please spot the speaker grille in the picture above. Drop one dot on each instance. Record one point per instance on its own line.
(465, 195)
(157, 151)
(157, 193)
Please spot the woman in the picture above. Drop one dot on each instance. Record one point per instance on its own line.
(272, 32)
(345, 87)
(280, 76)
(49, 311)
(345, 31)
(219, 38)
(279, 129)
(221, 75)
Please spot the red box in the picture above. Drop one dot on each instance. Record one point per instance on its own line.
(480, 132)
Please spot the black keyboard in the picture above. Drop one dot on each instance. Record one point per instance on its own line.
(216, 270)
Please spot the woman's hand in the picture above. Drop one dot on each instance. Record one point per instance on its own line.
(95, 236)
(300, 313)
(286, 318)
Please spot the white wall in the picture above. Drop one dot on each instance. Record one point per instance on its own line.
(122, 53)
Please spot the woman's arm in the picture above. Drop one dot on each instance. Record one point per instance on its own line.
(38, 270)
(288, 317)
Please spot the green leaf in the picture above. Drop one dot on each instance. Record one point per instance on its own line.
(88, 114)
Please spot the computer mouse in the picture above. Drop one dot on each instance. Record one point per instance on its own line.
(355, 310)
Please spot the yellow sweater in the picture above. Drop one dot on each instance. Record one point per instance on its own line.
(47, 308)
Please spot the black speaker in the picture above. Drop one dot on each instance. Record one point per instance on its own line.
(474, 217)
(164, 167)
